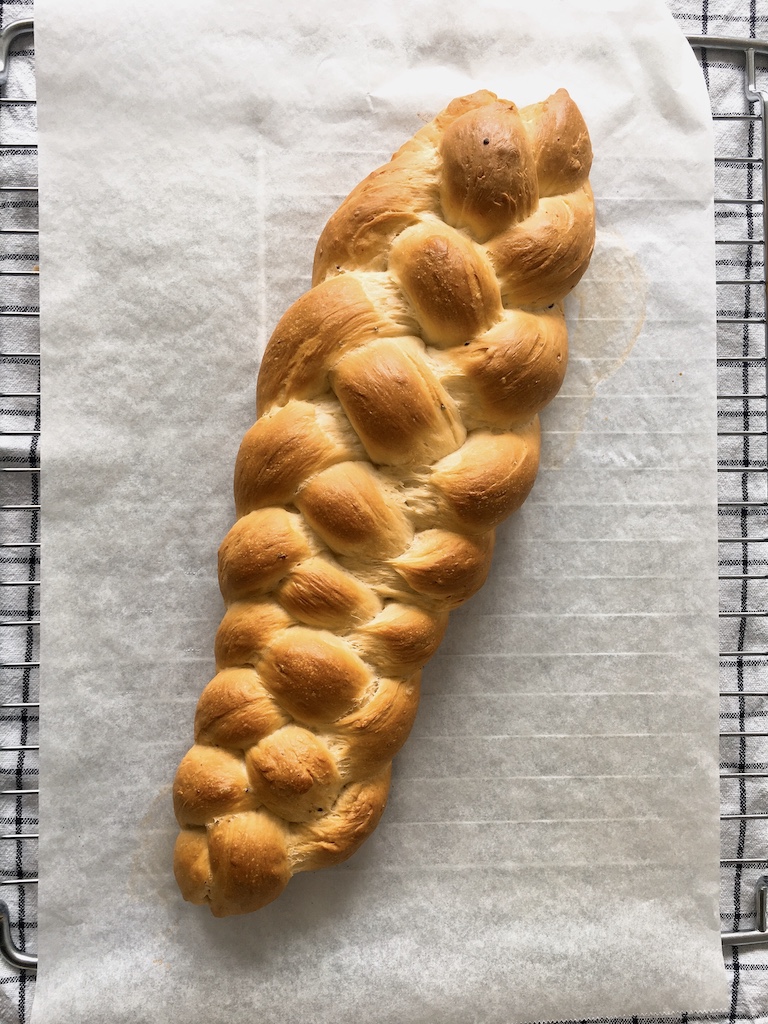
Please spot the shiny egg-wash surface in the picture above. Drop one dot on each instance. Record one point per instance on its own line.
(397, 426)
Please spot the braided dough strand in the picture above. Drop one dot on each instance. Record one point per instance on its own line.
(398, 405)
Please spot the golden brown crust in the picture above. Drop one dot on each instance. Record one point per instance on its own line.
(350, 510)
(507, 375)
(489, 477)
(210, 781)
(280, 451)
(314, 675)
(395, 403)
(449, 283)
(560, 143)
(259, 550)
(336, 836)
(398, 425)
(400, 639)
(317, 329)
(294, 774)
(389, 200)
(249, 863)
(371, 736)
(488, 177)
(246, 629)
(539, 261)
(446, 566)
(192, 865)
(235, 710)
(319, 593)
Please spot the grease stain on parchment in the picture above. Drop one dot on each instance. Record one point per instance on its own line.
(605, 312)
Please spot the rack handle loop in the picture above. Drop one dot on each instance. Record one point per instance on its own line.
(760, 932)
(7, 36)
(15, 956)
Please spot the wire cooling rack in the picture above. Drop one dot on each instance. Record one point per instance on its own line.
(741, 225)
(19, 503)
(741, 228)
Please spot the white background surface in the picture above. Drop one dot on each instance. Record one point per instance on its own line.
(550, 849)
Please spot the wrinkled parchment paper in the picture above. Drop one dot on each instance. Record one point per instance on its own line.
(550, 848)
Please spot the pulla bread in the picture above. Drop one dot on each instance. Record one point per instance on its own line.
(397, 426)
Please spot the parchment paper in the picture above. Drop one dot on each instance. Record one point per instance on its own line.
(550, 849)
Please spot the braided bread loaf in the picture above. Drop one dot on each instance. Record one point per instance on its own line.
(397, 404)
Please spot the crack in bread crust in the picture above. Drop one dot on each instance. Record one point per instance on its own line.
(398, 404)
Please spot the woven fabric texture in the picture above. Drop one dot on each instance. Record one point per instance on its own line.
(741, 421)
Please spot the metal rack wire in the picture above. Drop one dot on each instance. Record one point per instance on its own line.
(20, 498)
(741, 228)
(743, 505)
